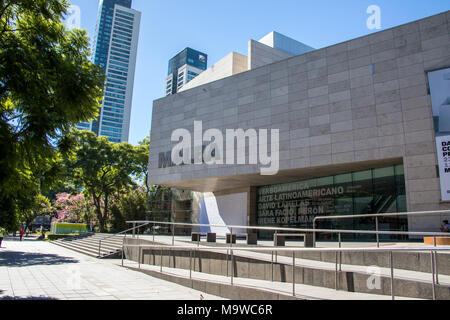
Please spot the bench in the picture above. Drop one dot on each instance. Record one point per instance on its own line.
(279, 239)
(210, 236)
(231, 238)
(252, 238)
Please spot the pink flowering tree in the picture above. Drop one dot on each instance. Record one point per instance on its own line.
(73, 208)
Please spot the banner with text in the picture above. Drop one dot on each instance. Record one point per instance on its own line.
(440, 99)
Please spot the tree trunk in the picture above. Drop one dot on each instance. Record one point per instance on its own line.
(98, 209)
(105, 211)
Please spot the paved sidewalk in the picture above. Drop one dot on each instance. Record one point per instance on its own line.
(39, 270)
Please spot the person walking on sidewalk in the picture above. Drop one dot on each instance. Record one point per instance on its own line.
(21, 234)
(2, 233)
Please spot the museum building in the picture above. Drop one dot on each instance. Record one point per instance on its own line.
(361, 129)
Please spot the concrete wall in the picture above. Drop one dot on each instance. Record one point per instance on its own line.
(361, 101)
(260, 54)
(219, 263)
(281, 42)
(233, 63)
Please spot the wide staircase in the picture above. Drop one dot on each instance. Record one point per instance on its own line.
(111, 246)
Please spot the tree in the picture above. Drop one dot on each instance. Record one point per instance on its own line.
(131, 206)
(30, 209)
(73, 208)
(47, 85)
(103, 170)
(142, 157)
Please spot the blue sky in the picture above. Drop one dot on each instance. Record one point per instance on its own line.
(219, 27)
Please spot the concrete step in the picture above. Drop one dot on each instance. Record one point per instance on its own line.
(96, 242)
(97, 238)
(252, 265)
(94, 246)
(87, 248)
(111, 242)
(76, 249)
(89, 244)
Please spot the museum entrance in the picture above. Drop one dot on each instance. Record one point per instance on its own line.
(296, 204)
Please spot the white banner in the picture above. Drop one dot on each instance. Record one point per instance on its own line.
(440, 99)
(443, 151)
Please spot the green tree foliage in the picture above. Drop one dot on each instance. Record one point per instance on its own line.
(47, 84)
(142, 157)
(131, 206)
(103, 170)
(31, 208)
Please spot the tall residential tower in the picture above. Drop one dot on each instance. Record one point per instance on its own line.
(115, 50)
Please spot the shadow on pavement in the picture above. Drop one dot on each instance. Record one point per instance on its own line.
(17, 239)
(23, 259)
(27, 298)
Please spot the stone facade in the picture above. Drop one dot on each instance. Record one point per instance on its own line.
(358, 104)
(232, 64)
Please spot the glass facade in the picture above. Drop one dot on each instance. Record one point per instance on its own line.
(189, 57)
(114, 53)
(103, 37)
(296, 204)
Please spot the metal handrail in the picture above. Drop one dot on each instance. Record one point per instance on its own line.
(376, 215)
(299, 249)
(432, 250)
(116, 234)
(313, 231)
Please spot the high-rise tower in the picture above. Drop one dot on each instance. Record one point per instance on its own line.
(184, 67)
(115, 50)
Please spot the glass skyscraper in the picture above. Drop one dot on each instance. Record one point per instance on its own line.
(115, 49)
(184, 67)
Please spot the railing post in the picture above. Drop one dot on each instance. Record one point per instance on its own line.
(276, 252)
(161, 259)
(123, 247)
(391, 264)
(293, 273)
(314, 232)
(99, 246)
(173, 234)
(231, 237)
(153, 232)
(190, 264)
(227, 263)
(436, 267)
(139, 256)
(432, 274)
(272, 265)
(336, 273)
(377, 229)
(134, 229)
(340, 252)
(232, 266)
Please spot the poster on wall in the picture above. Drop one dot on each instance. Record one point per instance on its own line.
(440, 99)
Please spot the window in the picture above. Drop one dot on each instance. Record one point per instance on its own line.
(378, 190)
